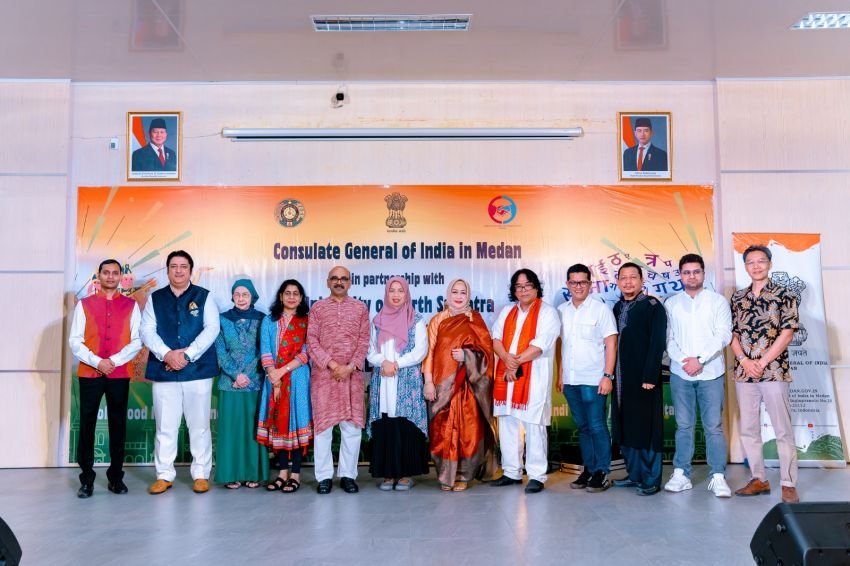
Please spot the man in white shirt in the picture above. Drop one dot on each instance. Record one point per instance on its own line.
(588, 356)
(179, 324)
(524, 338)
(105, 338)
(699, 328)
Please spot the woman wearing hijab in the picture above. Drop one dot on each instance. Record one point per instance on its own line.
(285, 421)
(239, 458)
(398, 421)
(459, 384)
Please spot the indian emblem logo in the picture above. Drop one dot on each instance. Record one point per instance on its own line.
(289, 213)
(502, 210)
(795, 286)
(395, 204)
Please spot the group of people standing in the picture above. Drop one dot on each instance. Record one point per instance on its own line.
(469, 398)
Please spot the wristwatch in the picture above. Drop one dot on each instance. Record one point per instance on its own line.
(186, 357)
(609, 376)
(701, 360)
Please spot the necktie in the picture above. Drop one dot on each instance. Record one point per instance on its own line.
(640, 159)
(162, 158)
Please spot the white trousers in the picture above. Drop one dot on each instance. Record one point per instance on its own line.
(173, 400)
(349, 452)
(512, 447)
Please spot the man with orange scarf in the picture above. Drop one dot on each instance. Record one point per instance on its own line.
(524, 340)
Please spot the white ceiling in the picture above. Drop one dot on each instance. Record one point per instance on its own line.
(509, 40)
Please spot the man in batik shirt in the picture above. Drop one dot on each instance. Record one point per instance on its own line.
(764, 318)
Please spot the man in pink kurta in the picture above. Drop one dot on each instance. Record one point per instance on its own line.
(337, 342)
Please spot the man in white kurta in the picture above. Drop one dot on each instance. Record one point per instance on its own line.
(515, 412)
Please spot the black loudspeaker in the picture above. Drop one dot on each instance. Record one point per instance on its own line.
(804, 534)
(10, 550)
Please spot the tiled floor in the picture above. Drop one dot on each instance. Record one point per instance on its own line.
(484, 525)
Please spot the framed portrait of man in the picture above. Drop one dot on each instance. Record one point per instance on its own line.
(640, 25)
(154, 146)
(645, 146)
(157, 26)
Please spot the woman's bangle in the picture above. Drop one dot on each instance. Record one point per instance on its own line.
(741, 358)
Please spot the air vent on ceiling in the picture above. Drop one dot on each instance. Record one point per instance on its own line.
(393, 22)
(824, 20)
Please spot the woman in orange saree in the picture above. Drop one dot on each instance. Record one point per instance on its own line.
(459, 385)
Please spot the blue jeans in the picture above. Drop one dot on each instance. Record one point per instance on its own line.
(588, 411)
(709, 394)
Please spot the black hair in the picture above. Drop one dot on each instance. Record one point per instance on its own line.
(532, 278)
(276, 310)
(108, 262)
(578, 268)
(691, 258)
(631, 264)
(758, 248)
(183, 254)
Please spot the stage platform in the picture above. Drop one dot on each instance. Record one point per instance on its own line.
(484, 525)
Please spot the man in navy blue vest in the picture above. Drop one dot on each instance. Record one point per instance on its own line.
(179, 324)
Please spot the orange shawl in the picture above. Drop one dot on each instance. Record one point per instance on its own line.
(519, 399)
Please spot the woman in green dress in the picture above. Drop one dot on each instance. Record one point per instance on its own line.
(240, 460)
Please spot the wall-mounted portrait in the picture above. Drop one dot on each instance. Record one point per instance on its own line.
(157, 26)
(645, 150)
(154, 146)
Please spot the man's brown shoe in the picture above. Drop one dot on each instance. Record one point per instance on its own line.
(201, 486)
(789, 494)
(159, 486)
(755, 487)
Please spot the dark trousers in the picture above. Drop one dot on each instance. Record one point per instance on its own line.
(643, 465)
(283, 458)
(92, 389)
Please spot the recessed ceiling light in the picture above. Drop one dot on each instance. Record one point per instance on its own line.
(824, 20)
(393, 22)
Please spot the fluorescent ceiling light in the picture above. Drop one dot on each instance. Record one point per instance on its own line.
(824, 20)
(393, 22)
(384, 134)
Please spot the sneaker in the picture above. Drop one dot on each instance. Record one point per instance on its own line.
(598, 482)
(719, 486)
(582, 480)
(678, 482)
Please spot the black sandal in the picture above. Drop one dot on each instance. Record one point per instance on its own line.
(291, 486)
(276, 485)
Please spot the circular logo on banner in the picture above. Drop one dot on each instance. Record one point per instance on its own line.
(289, 213)
(502, 210)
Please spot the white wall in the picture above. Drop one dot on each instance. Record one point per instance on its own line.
(33, 189)
(784, 167)
(742, 136)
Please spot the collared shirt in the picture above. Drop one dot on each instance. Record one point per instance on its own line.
(583, 333)
(758, 322)
(539, 409)
(201, 343)
(698, 327)
(76, 339)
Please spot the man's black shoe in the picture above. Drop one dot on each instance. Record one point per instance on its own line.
(581, 481)
(117, 487)
(504, 480)
(599, 482)
(85, 491)
(348, 485)
(325, 487)
(534, 486)
(625, 483)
